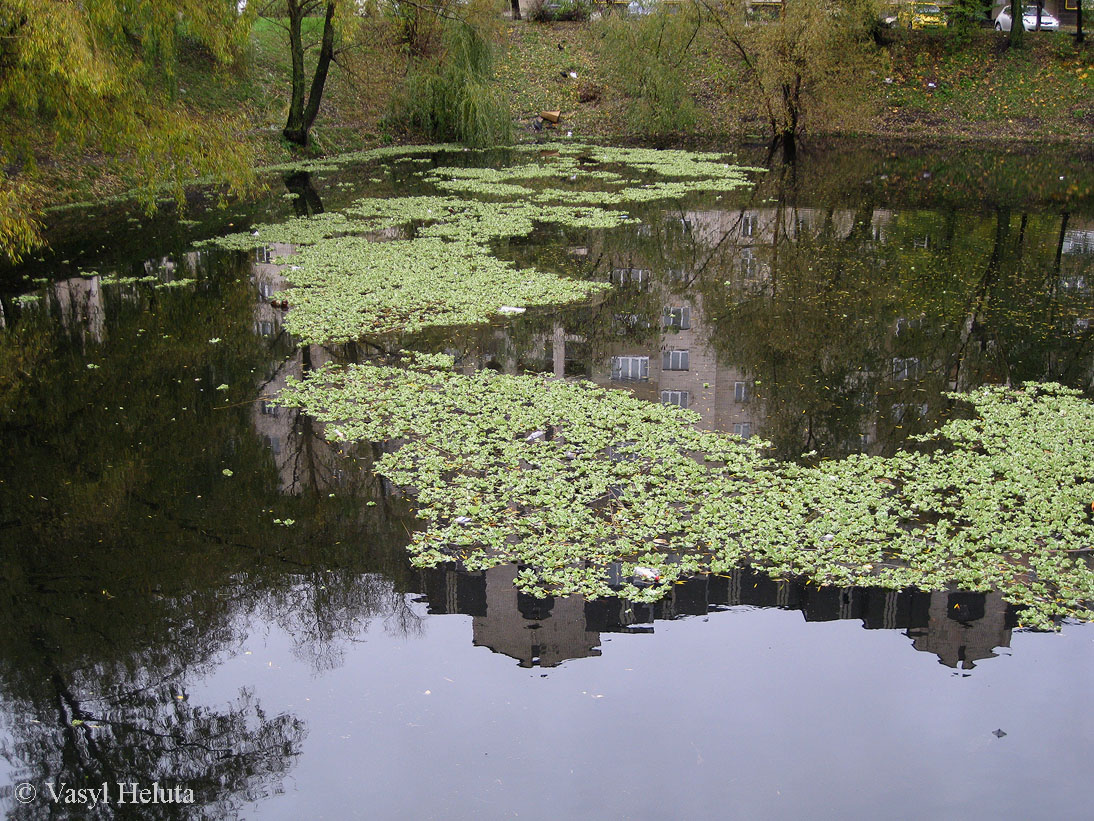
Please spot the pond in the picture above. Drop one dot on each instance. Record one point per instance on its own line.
(271, 593)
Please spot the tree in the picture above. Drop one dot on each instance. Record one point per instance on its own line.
(304, 102)
(1017, 26)
(104, 74)
(805, 64)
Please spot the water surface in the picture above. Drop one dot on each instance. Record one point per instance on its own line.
(200, 589)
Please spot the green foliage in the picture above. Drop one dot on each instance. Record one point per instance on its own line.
(547, 11)
(650, 58)
(966, 16)
(19, 228)
(451, 96)
(105, 72)
(808, 66)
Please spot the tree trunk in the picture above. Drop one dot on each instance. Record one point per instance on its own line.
(516, 9)
(1079, 36)
(303, 111)
(1016, 27)
(1040, 9)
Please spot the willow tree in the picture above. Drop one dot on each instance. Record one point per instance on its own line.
(103, 74)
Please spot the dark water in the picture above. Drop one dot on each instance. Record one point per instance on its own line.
(260, 639)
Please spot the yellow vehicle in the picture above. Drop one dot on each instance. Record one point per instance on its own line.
(921, 16)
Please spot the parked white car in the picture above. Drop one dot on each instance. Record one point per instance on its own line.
(1029, 20)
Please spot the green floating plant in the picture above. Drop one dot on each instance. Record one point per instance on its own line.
(395, 265)
(565, 477)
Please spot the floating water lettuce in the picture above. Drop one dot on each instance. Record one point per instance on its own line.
(565, 477)
(395, 265)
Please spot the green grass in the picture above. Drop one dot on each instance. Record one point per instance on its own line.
(1044, 89)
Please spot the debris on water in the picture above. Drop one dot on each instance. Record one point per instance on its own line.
(511, 309)
(647, 575)
(999, 733)
(463, 520)
(536, 436)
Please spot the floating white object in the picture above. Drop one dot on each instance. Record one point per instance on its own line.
(646, 574)
(510, 309)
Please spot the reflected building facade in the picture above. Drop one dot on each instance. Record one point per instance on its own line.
(959, 628)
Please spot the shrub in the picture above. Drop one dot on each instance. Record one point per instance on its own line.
(450, 97)
(547, 11)
(650, 59)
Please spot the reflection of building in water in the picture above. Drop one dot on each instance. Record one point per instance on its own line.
(963, 628)
(305, 460)
(81, 300)
(960, 628)
(681, 367)
(269, 279)
(535, 632)
(81, 304)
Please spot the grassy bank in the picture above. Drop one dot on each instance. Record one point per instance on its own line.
(924, 84)
(919, 85)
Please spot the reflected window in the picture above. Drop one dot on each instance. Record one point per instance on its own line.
(906, 368)
(630, 368)
(274, 444)
(678, 398)
(749, 224)
(267, 409)
(742, 429)
(266, 289)
(741, 392)
(675, 361)
(638, 276)
(263, 254)
(1078, 242)
(264, 328)
(907, 412)
(679, 318)
(750, 266)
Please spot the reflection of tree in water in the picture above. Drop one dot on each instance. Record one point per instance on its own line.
(138, 505)
(150, 734)
(325, 611)
(866, 316)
